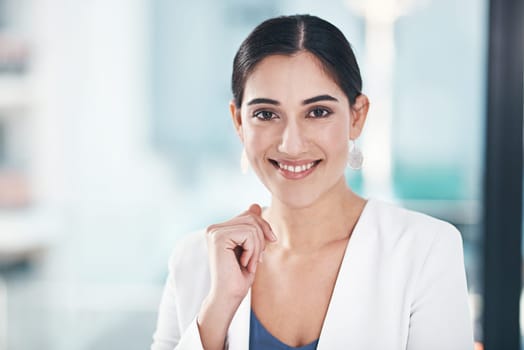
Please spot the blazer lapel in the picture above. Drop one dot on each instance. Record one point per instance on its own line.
(342, 328)
(238, 334)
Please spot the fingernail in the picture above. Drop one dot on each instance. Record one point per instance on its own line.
(273, 236)
(260, 257)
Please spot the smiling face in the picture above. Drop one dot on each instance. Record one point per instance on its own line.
(295, 123)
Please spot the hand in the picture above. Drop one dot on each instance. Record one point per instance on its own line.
(235, 248)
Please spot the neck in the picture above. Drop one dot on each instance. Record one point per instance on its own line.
(330, 218)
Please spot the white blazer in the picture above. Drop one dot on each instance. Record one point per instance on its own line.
(401, 286)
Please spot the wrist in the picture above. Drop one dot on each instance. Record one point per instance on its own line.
(223, 301)
(213, 320)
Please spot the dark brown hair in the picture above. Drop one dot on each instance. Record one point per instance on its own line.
(287, 35)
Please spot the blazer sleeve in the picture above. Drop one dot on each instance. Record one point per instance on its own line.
(440, 315)
(169, 334)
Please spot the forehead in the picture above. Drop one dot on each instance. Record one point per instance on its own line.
(290, 79)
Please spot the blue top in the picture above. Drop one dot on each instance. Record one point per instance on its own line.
(261, 339)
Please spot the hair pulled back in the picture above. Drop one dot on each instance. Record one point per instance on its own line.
(287, 35)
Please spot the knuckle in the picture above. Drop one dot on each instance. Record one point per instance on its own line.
(211, 229)
(214, 237)
(252, 219)
(213, 233)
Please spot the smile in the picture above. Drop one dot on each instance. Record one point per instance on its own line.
(295, 170)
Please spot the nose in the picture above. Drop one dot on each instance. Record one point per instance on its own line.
(293, 139)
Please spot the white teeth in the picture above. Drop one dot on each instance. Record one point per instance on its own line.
(296, 169)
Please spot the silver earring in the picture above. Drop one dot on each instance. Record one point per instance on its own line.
(244, 162)
(355, 157)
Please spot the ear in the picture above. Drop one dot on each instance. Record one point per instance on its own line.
(237, 119)
(359, 112)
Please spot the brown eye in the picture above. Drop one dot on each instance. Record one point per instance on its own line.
(264, 115)
(319, 113)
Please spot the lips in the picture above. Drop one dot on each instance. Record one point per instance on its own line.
(295, 169)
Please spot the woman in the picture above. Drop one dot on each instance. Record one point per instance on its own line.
(320, 267)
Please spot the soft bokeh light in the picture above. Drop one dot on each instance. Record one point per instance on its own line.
(116, 140)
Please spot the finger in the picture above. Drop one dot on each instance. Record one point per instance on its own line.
(246, 241)
(246, 256)
(239, 239)
(252, 264)
(254, 224)
(266, 229)
(239, 230)
(255, 209)
(262, 233)
(247, 244)
(249, 237)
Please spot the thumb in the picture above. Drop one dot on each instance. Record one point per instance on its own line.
(255, 209)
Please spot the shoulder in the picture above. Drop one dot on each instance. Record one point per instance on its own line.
(408, 236)
(186, 286)
(190, 246)
(412, 247)
(399, 218)
(421, 268)
(394, 222)
(189, 259)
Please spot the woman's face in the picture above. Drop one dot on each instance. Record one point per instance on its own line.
(294, 122)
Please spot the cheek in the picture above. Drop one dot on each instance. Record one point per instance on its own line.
(335, 139)
(257, 140)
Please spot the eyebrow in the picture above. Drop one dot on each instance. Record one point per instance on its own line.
(256, 101)
(319, 98)
(305, 102)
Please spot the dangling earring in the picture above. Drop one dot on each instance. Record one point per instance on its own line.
(355, 157)
(244, 162)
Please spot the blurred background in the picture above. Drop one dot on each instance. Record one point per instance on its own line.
(116, 140)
